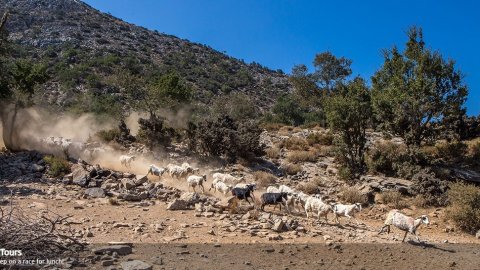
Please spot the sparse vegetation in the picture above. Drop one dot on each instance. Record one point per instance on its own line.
(292, 169)
(464, 208)
(311, 187)
(57, 167)
(264, 179)
(394, 199)
(273, 152)
(302, 156)
(320, 138)
(352, 195)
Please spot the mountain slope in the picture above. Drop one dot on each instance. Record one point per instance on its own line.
(86, 50)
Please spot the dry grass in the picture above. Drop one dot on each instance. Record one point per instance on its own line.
(302, 156)
(272, 126)
(273, 152)
(264, 179)
(294, 143)
(465, 206)
(419, 201)
(394, 199)
(352, 195)
(311, 187)
(320, 138)
(292, 169)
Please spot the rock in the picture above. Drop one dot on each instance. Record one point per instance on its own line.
(108, 262)
(279, 226)
(95, 192)
(133, 197)
(477, 235)
(140, 179)
(136, 265)
(121, 250)
(190, 197)
(121, 225)
(128, 183)
(38, 168)
(208, 214)
(178, 204)
(157, 260)
(80, 175)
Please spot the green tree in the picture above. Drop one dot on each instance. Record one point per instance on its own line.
(348, 113)
(287, 110)
(24, 76)
(414, 88)
(329, 70)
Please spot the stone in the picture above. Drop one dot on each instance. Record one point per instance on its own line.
(95, 192)
(121, 225)
(477, 235)
(80, 175)
(136, 265)
(128, 183)
(140, 179)
(157, 260)
(178, 204)
(121, 250)
(279, 226)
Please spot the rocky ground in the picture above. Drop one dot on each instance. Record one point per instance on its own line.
(131, 221)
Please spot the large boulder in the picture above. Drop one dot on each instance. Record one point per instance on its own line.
(128, 183)
(95, 192)
(80, 175)
(135, 265)
(178, 204)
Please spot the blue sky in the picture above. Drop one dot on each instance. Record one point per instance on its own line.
(280, 33)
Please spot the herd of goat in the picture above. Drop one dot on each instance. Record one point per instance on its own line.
(225, 183)
(279, 195)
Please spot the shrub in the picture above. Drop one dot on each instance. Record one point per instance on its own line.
(319, 138)
(345, 174)
(295, 143)
(57, 166)
(108, 135)
(273, 152)
(302, 156)
(451, 152)
(393, 198)
(271, 126)
(264, 179)
(420, 201)
(292, 169)
(474, 150)
(386, 158)
(465, 206)
(153, 132)
(224, 137)
(311, 187)
(352, 195)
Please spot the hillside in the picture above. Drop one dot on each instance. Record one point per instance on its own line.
(87, 51)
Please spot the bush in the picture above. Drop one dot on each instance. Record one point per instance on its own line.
(273, 153)
(264, 179)
(295, 143)
(345, 174)
(352, 195)
(386, 158)
(474, 150)
(292, 169)
(433, 189)
(394, 199)
(465, 206)
(311, 187)
(58, 167)
(108, 135)
(153, 132)
(451, 152)
(302, 156)
(224, 137)
(319, 138)
(420, 202)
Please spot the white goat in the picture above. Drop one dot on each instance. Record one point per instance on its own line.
(347, 210)
(189, 168)
(286, 189)
(272, 189)
(126, 160)
(221, 186)
(195, 180)
(227, 178)
(316, 204)
(158, 171)
(176, 171)
(404, 223)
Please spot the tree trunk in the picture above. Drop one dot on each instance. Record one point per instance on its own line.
(8, 124)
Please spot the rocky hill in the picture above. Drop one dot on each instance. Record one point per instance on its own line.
(86, 50)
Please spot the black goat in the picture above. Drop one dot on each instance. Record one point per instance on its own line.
(274, 199)
(244, 193)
